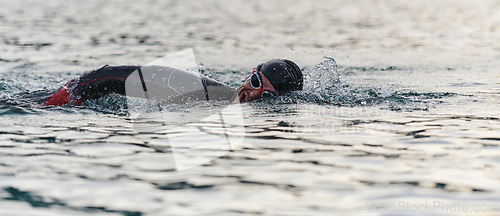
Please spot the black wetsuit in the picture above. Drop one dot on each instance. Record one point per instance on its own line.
(106, 80)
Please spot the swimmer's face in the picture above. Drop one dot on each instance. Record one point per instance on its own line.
(247, 93)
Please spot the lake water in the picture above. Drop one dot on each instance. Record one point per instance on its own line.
(400, 118)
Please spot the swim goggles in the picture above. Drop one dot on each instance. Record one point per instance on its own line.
(256, 83)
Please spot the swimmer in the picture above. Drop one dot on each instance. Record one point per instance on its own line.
(271, 78)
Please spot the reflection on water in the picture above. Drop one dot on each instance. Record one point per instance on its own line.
(404, 118)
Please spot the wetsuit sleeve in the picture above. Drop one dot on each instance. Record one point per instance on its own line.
(103, 81)
(215, 90)
(94, 84)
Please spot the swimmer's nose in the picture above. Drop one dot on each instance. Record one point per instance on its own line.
(254, 95)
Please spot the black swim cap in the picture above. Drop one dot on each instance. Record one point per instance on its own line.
(283, 74)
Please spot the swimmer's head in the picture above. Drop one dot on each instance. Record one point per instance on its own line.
(283, 74)
(273, 77)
